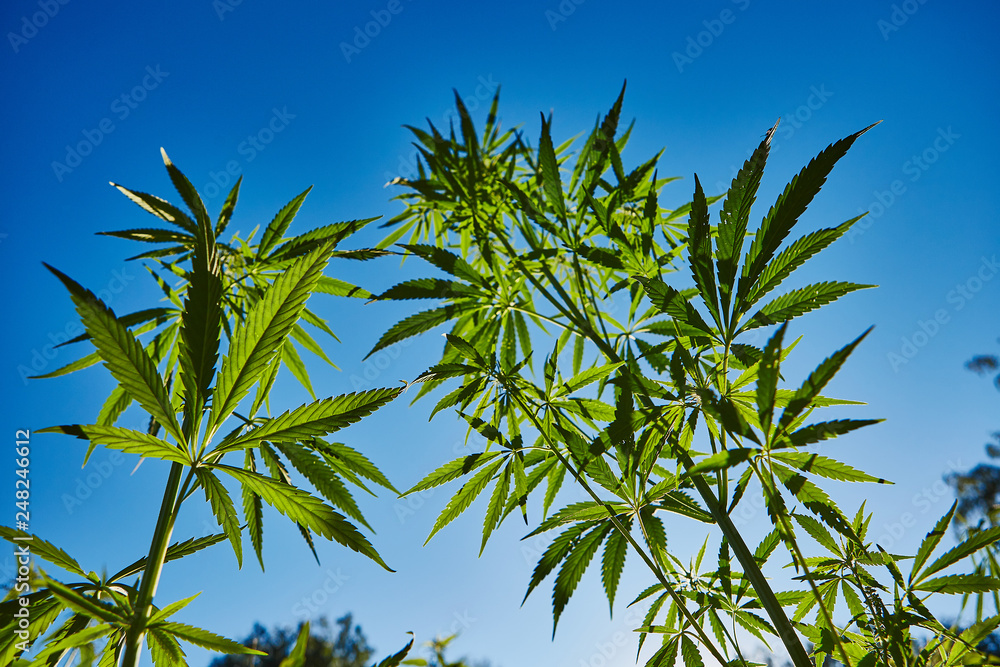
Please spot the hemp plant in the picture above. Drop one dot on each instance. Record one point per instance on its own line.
(652, 396)
(245, 302)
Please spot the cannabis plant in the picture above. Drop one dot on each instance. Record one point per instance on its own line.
(245, 301)
(579, 348)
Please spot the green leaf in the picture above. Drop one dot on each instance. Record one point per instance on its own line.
(172, 609)
(160, 208)
(226, 214)
(164, 649)
(123, 355)
(323, 478)
(223, 509)
(588, 408)
(74, 640)
(304, 509)
(255, 343)
(279, 225)
(725, 459)
(791, 204)
(81, 363)
(654, 534)
(452, 470)
(679, 502)
(815, 499)
(573, 568)
(174, 551)
(820, 431)
(818, 532)
(700, 250)
(315, 419)
(805, 395)
(959, 583)
(297, 656)
(586, 510)
(42, 549)
(734, 216)
(448, 262)
(302, 337)
(84, 604)
(418, 323)
(494, 511)
(396, 659)
(667, 300)
(794, 256)
(549, 168)
(428, 288)
(293, 362)
(931, 540)
(314, 238)
(979, 540)
(800, 301)
(124, 439)
(338, 287)
(188, 194)
(587, 377)
(464, 497)
(151, 235)
(206, 639)
(767, 378)
(346, 459)
(689, 652)
(613, 562)
(201, 325)
(555, 553)
(825, 467)
(253, 511)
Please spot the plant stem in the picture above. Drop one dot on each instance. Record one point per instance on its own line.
(154, 566)
(752, 571)
(787, 634)
(799, 559)
(650, 562)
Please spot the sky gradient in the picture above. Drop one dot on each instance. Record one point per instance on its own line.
(301, 95)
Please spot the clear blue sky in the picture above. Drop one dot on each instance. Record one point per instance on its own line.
(705, 81)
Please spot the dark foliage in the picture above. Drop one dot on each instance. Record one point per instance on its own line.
(348, 648)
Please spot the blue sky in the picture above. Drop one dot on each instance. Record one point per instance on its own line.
(293, 96)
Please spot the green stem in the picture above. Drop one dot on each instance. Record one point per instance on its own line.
(787, 634)
(783, 627)
(793, 547)
(154, 566)
(653, 566)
